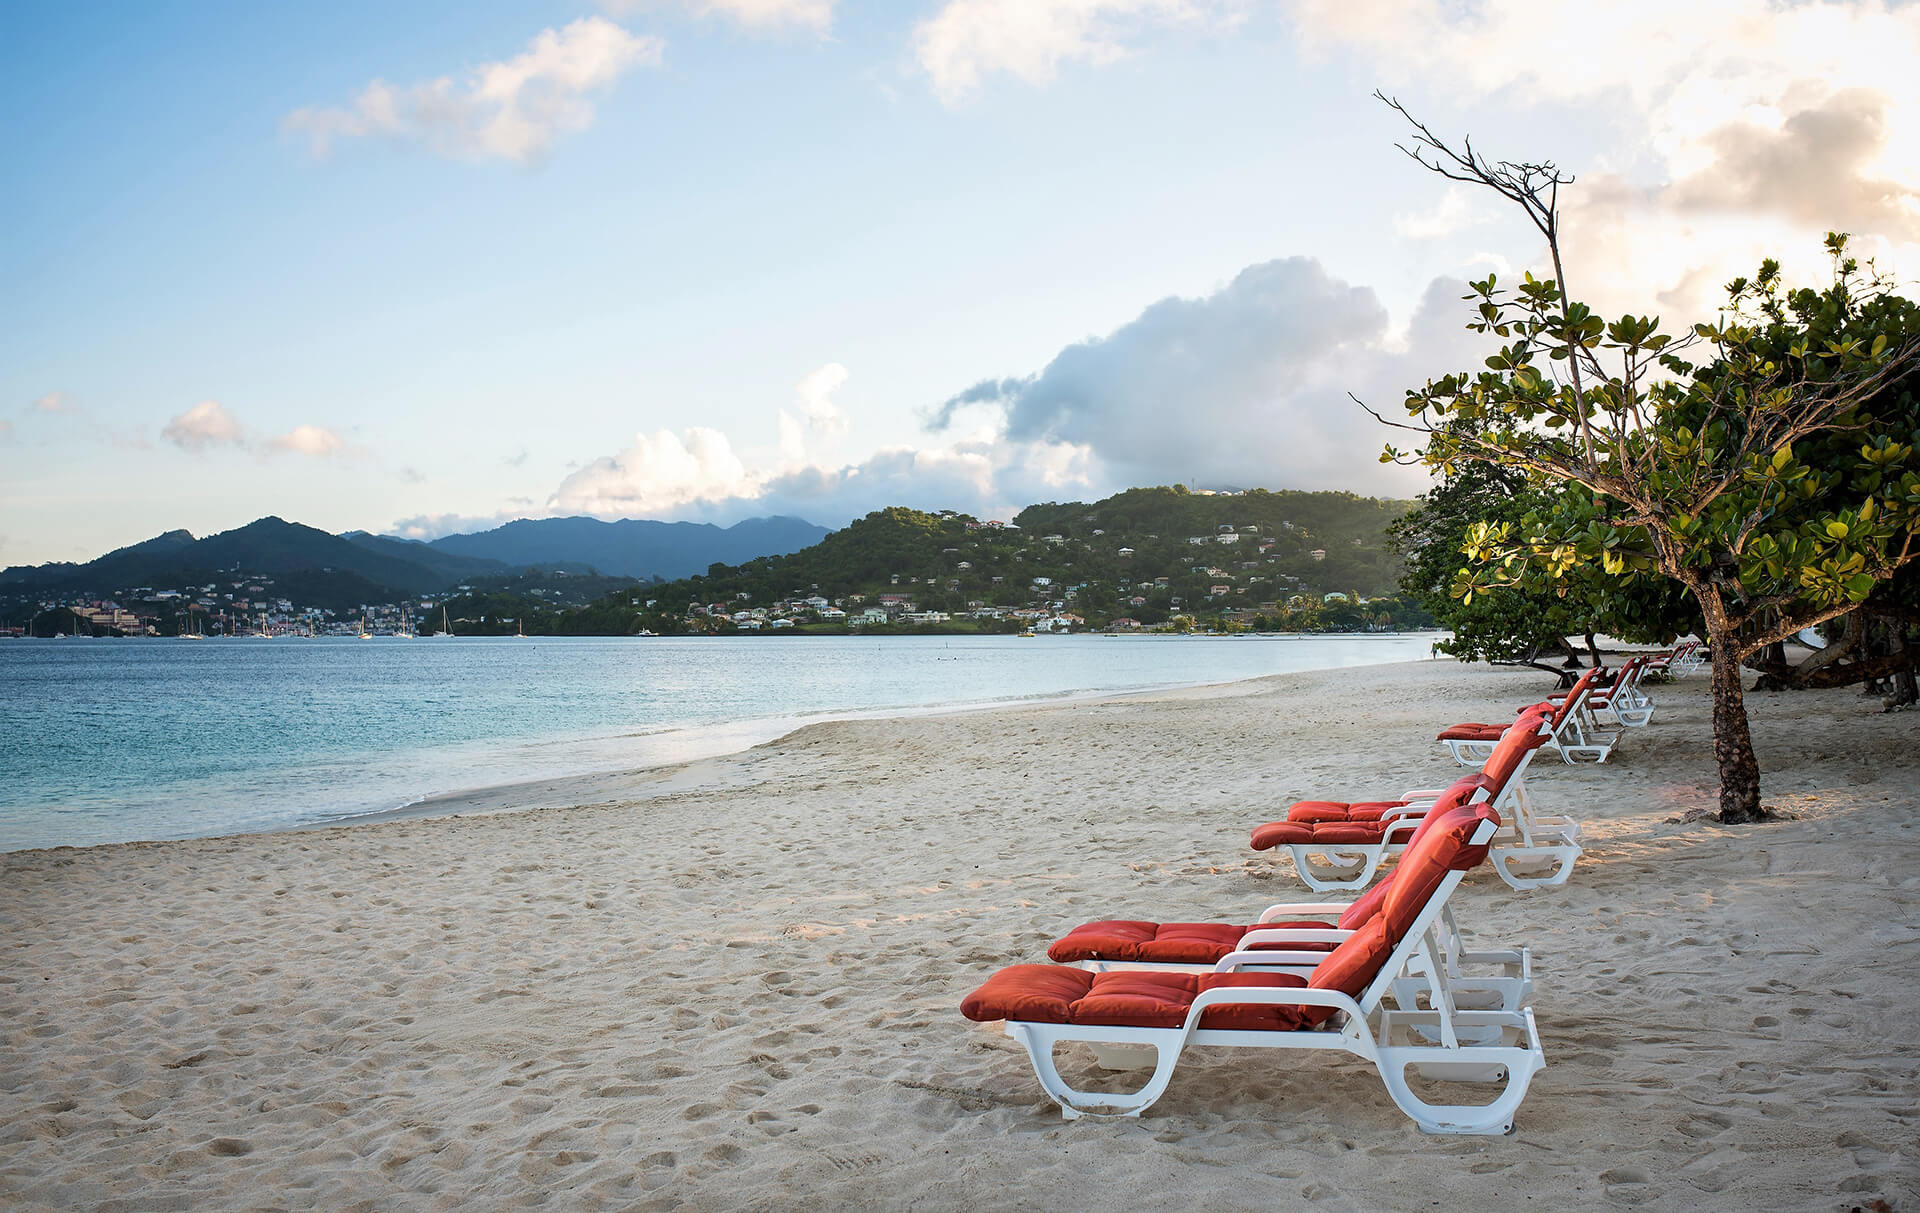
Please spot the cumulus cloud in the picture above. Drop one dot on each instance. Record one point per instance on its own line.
(660, 474)
(968, 40)
(755, 15)
(309, 440)
(1816, 166)
(1247, 386)
(1754, 128)
(209, 425)
(55, 402)
(512, 109)
(813, 427)
(205, 425)
(988, 478)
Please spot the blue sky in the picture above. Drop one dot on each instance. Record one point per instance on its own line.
(417, 268)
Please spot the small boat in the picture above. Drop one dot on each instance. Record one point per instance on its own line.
(445, 629)
(1028, 634)
(364, 634)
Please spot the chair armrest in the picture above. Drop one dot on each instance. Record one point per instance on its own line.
(1294, 935)
(1302, 909)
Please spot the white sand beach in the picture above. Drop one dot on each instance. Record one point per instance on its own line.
(737, 985)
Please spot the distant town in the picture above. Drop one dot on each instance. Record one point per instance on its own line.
(1145, 560)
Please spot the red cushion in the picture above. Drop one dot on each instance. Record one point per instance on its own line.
(1349, 831)
(1472, 731)
(1313, 812)
(1350, 968)
(1055, 994)
(1326, 833)
(1364, 907)
(1307, 812)
(1138, 999)
(1280, 834)
(1442, 847)
(1032, 993)
(1165, 943)
(1170, 942)
(1254, 1017)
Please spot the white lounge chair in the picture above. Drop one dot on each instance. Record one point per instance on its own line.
(1569, 730)
(1340, 845)
(1482, 977)
(1337, 1005)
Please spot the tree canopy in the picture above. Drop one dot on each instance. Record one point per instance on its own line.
(1767, 480)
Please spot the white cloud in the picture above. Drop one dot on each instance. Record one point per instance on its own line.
(968, 40)
(55, 402)
(1454, 211)
(512, 109)
(1246, 386)
(1754, 128)
(209, 424)
(814, 398)
(815, 421)
(205, 425)
(756, 15)
(309, 440)
(659, 474)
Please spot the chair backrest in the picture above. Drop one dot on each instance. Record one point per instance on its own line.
(1522, 737)
(1455, 840)
(1367, 905)
(1580, 690)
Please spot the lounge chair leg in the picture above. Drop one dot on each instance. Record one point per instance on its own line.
(1488, 1120)
(1560, 859)
(1342, 870)
(1075, 1103)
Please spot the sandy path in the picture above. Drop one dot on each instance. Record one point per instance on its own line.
(744, 994)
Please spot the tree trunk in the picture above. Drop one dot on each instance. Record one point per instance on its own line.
(1593, 650)
(1732, 741)
(1905, 690)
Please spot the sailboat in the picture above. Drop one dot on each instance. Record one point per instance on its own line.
(364, 634)
(445, 629)
(522, 633)
(406, 627)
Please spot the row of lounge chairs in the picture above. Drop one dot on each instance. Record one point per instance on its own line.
(1387, 977)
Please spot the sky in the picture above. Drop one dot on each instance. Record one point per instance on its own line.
(426, 268)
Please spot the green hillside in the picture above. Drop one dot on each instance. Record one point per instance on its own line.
(1145, 554)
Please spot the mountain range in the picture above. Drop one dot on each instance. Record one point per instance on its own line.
(314, 565)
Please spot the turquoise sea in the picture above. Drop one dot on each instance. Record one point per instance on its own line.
(121, 740)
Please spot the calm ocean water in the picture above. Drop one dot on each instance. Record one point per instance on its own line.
(115, 740)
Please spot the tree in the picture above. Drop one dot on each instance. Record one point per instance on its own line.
(1522, 628)
(1667, 469)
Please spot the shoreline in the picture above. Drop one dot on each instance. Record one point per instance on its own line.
(665, 755)
(643, 783)
(745, 994)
